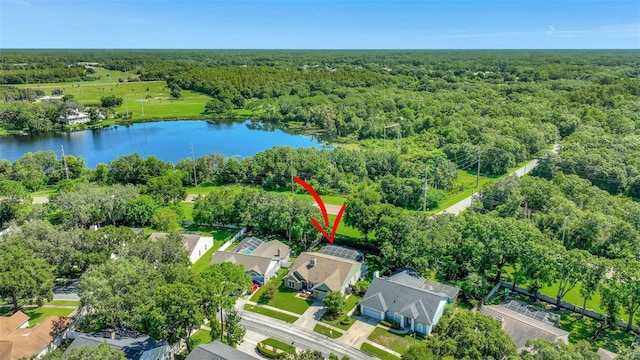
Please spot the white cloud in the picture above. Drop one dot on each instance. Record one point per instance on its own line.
(551, 30)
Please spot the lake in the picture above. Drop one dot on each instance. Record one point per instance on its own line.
(167, 140)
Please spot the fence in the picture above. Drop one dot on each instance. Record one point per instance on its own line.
(234, 238)
(564, 305)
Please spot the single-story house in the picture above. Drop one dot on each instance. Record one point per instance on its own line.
(260, 268)
(273, 249)
(134, 346)
(321, 273)
(406, 299)
(75, 117)
(521, 328)
(217, 351)
(196, 245)
(18, 340)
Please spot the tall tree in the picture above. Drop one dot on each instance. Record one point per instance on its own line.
(591, 279)
(23, 276)
(470, 335)
(234, 333)
(175, 314)
(334, 303)
(572, 266)
(113, 292)
(221, 285)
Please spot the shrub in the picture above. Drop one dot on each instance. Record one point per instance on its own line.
(262, 349)
(268, 293)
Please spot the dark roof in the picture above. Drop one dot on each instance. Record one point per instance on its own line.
(133, 347)
(415, 303)
(217, 351)
(342, 252)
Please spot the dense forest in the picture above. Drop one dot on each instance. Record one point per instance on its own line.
(573, 225)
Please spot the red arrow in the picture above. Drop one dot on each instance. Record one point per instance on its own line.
(323, 209)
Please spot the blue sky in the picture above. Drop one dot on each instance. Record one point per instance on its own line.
(310, 24)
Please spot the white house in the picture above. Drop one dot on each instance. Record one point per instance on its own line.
(196, 245)
(76, 117)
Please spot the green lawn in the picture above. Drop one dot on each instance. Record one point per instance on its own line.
(279, 345)
(380, 354)
(343, 229)
(220, 236)
(272, 313)
(338, 324)
(64, 302)
(399, 343)
(187, 210)
(352, 301)
(334, 334)
(572, 297)
(37, 315)
(200, 337)
(284, 298)
(612, 339)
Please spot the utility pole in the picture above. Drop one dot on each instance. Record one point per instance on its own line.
(478, 173)
(424, 198)
(64, 160)
(193, 157)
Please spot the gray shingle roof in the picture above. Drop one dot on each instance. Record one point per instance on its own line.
(415, 303)
(133, 347)
(217, 351)
(521, 328)
(411, 278)
(273, 249)
(257, 264)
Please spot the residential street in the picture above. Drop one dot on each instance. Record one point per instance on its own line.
(301, 338)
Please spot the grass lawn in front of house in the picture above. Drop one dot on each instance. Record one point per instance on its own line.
(399, 343)
(334, 334)
(283, 298)
(271, 313)
(200, 337)
(379, 353)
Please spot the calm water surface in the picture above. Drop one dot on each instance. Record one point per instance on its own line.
(167, 140)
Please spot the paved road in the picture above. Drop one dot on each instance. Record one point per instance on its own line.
(69, 292)
(301, 338)
(463, 205)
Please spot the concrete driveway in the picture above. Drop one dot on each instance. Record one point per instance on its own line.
(310, 317)
(359, 331)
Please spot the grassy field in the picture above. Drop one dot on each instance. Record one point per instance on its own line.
(187, 210)
(572, 297)
(399, 343)
(613, 339)
(344, 229)
(271, 313)
(334, 334)
(284, 298)
(380, 354)
(143, 100)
